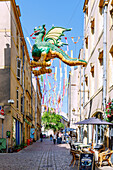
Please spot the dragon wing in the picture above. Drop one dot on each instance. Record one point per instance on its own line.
(54, 35)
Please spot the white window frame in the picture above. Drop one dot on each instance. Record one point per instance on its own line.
(19, 69)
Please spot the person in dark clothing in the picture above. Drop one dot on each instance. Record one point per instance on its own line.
(51, 137)
(41, 137)
(57, 135)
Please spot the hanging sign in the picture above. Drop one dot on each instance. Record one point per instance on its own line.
(8, 133)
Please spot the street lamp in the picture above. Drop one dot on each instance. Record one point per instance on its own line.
(11, 101)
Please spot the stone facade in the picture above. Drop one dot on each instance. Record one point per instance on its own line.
(96, 83)
(16, 82)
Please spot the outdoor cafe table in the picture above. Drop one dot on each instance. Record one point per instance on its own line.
(80, 145)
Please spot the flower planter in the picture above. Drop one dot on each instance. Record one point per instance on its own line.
(18, 150)
(109, 111)
(25, 146)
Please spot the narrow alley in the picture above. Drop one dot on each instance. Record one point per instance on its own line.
(40, 156)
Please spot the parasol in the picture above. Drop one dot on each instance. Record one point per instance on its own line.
(93, 121)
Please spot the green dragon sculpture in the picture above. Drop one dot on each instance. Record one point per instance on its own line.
(47, 47)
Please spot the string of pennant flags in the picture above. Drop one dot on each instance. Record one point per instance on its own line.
(66, 38)
(55, 99)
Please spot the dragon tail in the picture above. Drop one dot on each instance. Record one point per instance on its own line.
(67, 59)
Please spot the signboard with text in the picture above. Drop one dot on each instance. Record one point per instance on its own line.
(86, 161)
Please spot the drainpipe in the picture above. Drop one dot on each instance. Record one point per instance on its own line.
(31, 97)
(80, 134)
(84, 75)
(84, 67)
(104, 58)
(23, 96)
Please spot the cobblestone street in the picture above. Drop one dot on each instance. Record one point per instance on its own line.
(39, 156)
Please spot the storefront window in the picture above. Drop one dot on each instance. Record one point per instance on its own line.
(99, 130)
(14, 132)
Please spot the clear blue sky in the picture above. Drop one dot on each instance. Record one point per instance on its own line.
(62, 13)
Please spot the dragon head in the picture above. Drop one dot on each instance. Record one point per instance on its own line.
(40, 29)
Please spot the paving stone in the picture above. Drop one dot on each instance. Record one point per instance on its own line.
(40, 156)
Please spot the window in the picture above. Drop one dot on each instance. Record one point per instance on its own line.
(86, 41)
(21, 104)
(85, 8)
(112, 3)
(17, 39)
(100, 56)
(111, 13)
(18, 68)
(101, 2)
(92, 25)
(17, 100)
(27, 106)
(86, 80)
(92, 69)
(111, 50)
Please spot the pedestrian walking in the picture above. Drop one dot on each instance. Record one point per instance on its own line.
(51, 137)
(70, 138)
(41, 137)
(54, 138)
(57, 137)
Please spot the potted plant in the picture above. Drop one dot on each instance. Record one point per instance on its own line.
(18, 148)
(25, 145)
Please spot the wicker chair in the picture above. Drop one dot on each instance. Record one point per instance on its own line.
(105, 156)
(76, 156)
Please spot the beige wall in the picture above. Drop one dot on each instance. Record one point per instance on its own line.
(8, 69)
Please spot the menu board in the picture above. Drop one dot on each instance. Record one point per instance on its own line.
(86, 161)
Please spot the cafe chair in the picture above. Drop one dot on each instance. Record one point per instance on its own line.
(105, 156)
(75, 156)
(100, 148)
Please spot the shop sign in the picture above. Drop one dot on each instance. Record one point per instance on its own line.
(8, 133)
(32, 131)
(29, 123)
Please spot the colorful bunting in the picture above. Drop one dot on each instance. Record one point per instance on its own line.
(66, 43)
(74, 41)
(55, 75)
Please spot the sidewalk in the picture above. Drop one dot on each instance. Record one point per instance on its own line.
(40, 156)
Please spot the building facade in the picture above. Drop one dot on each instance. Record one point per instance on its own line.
(16, 79)
(95, 82)
(98, 80)
(75, 97)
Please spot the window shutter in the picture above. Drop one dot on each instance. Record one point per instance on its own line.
(19, 69)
